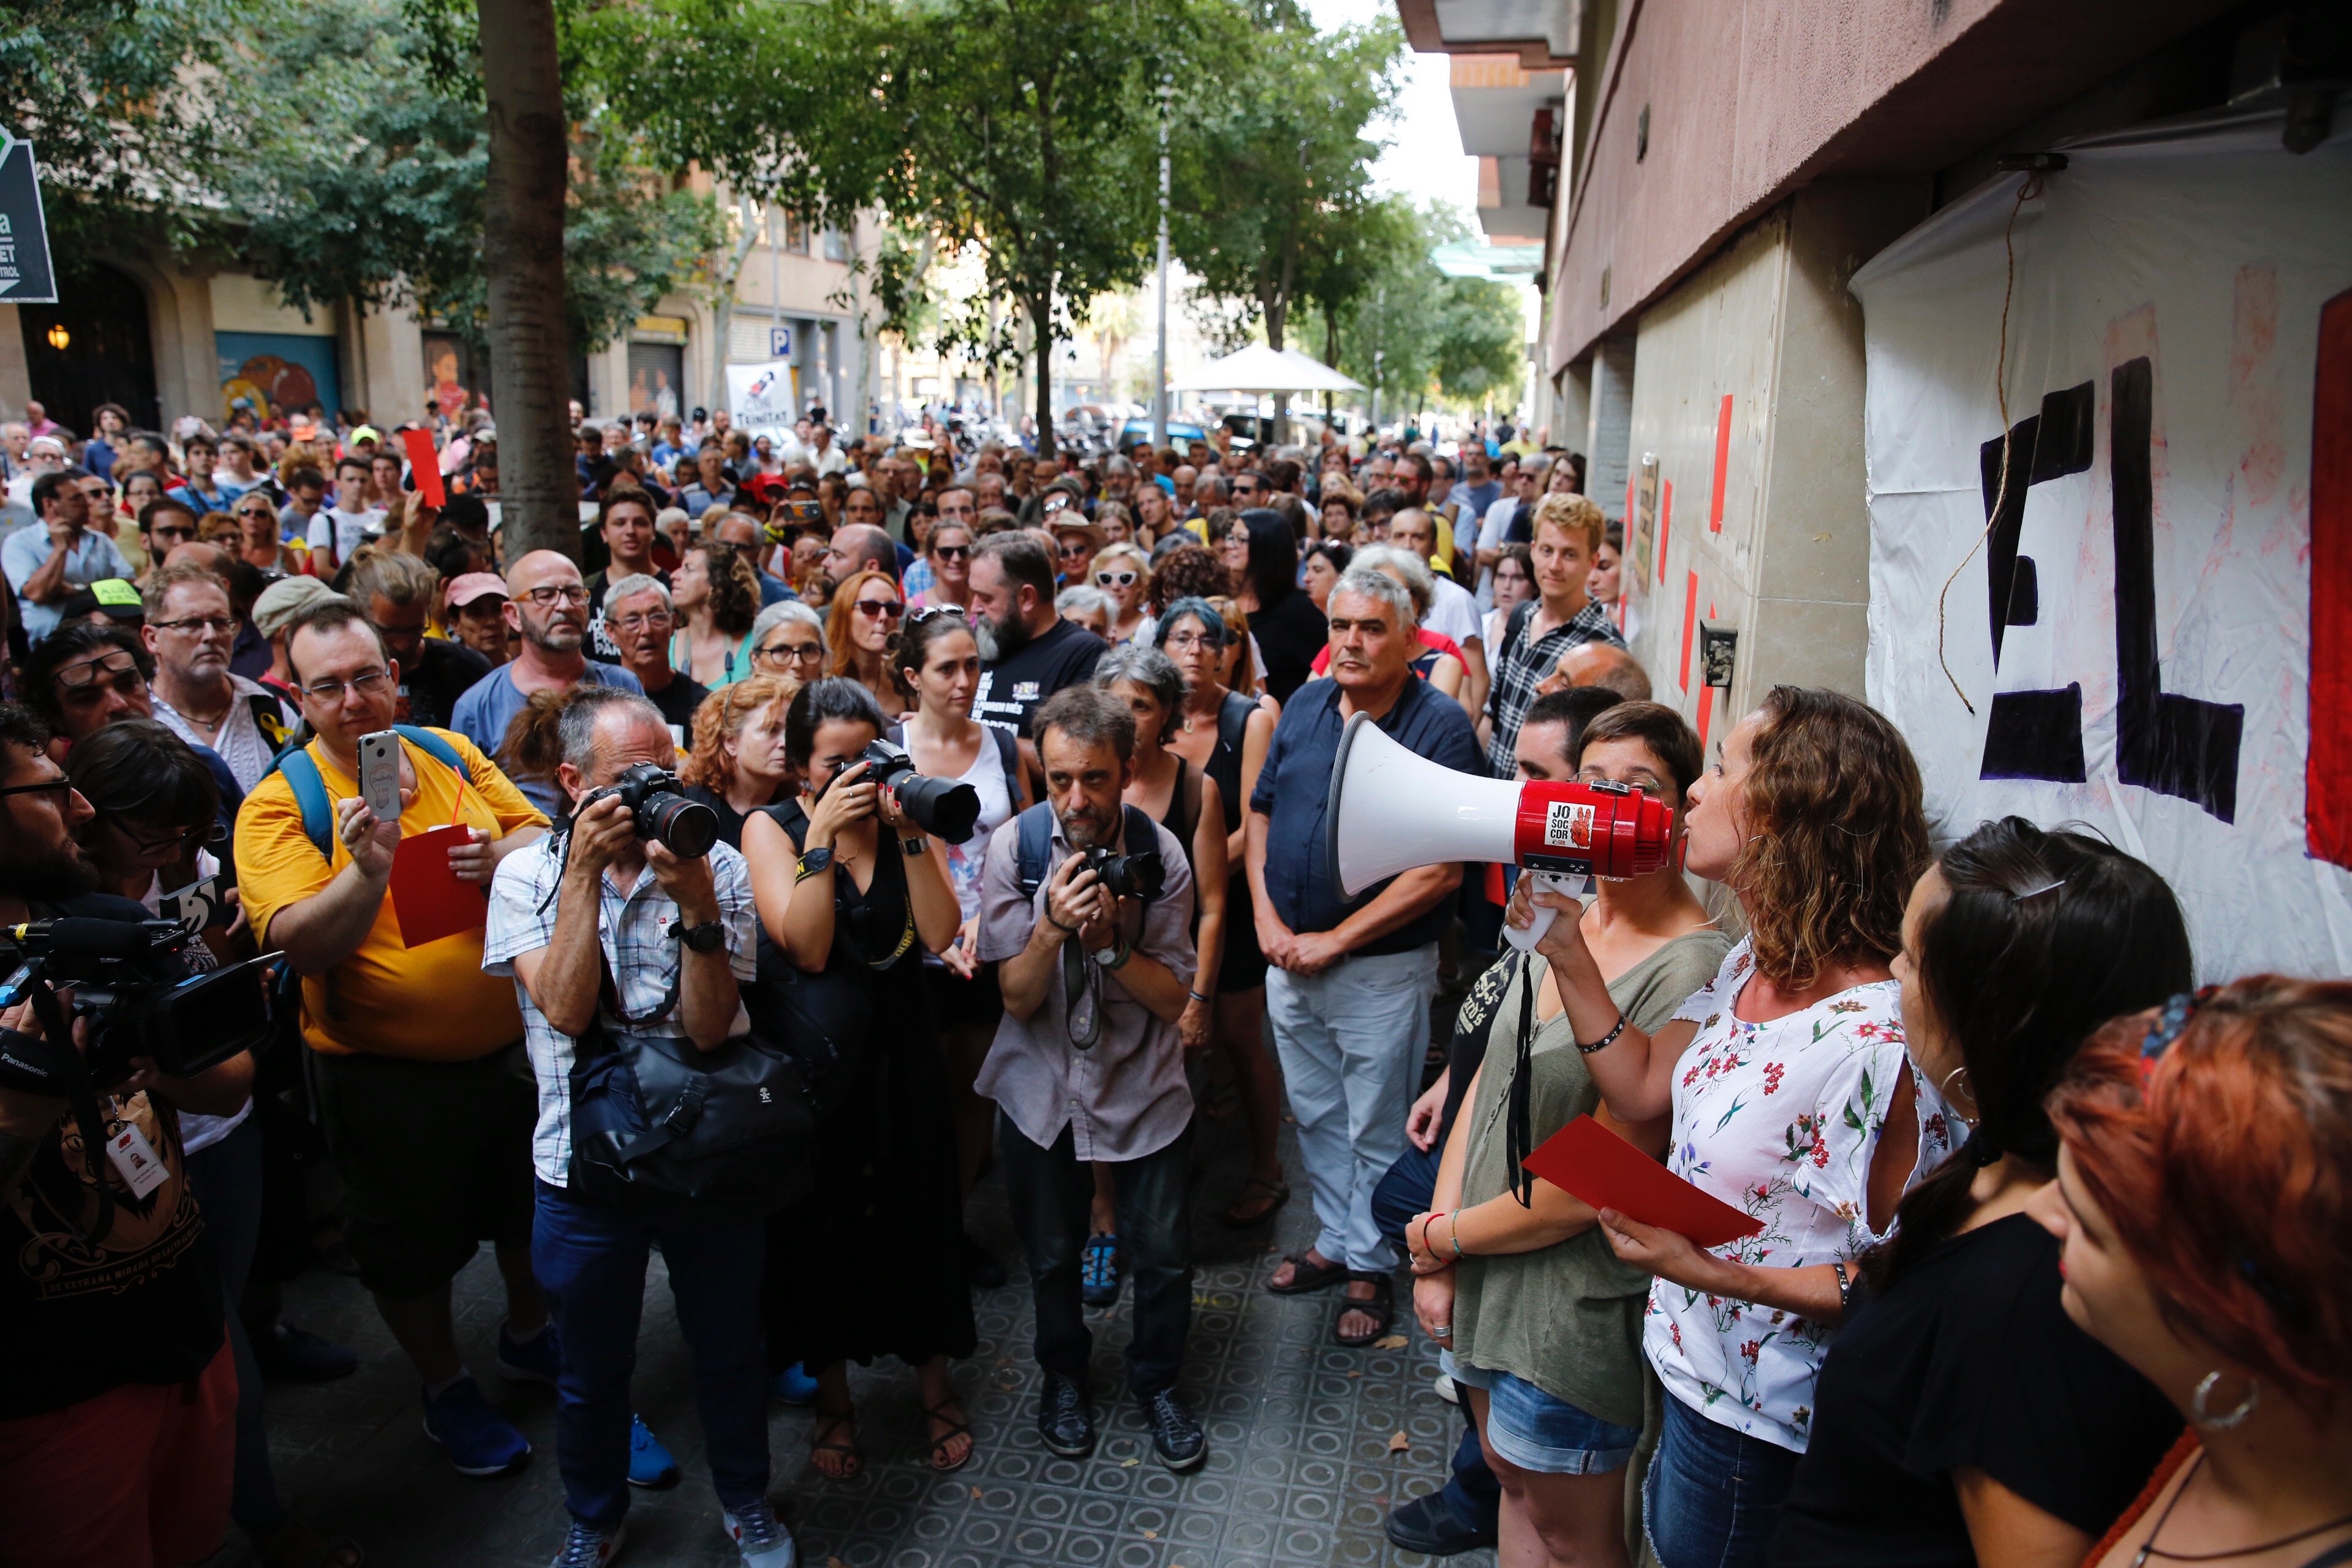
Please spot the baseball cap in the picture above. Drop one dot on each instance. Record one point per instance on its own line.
(118, 599)
(285, 599)
(469, 587)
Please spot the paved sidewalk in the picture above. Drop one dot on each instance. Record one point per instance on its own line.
(1301, 1470)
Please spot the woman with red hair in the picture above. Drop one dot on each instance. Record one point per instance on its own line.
(2203, 1208)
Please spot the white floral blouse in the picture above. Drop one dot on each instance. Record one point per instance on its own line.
(1779, 1120)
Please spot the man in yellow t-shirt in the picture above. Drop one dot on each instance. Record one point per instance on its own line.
(422, 1086)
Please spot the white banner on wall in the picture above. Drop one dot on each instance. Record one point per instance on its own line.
(2136, 631)
(763, 399)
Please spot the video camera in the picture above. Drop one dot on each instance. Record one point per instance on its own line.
(124, 977)
(684, 827)
(941, 807)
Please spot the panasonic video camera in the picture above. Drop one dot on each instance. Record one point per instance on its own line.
(128, 981)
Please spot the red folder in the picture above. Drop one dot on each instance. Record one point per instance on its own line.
(1588, 1161)
(425, 466)
(427, 897)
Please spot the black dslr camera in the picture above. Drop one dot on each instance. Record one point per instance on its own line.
(687, 828)
(1138, 877)
(940, 807)
(128, 981)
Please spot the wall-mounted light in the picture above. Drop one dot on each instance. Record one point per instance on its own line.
(59, 339)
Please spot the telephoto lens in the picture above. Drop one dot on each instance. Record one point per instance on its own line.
(943, 808)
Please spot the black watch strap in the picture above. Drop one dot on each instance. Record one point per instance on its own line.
(707, 937)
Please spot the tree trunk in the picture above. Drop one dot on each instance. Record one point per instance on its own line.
(1041, 317)
(722, 308)
(522, 250)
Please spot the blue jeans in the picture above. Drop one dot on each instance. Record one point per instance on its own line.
(591, 1259)
(1472, 1492)
(1050, 1192)
(1714, 1495)
(226, 1179)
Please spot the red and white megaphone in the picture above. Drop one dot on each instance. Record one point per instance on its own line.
(1391, 810)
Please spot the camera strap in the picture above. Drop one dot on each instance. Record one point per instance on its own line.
(83, 1097)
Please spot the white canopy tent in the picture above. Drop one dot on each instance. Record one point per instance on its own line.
(1258, 368)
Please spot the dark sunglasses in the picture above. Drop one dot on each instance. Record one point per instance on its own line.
(953, 551)
(880, 609)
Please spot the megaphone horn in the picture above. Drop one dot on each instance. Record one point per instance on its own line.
(1391, 810)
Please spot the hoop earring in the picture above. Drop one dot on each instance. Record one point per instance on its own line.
(1945, 1089)
(2230, 1418)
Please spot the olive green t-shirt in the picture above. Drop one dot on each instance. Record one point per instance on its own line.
(1567, 1317)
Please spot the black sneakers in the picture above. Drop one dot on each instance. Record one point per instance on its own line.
(1175, 1436)
(1062, 1420)
(1428, 1526)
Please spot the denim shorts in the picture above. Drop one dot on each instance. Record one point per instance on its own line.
(1534, 1431)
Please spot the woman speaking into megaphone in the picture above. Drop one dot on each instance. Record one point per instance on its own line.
(1790, 1095)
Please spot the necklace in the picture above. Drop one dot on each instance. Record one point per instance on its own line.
(2149, 1547)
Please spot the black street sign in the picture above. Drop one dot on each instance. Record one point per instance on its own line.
(26, 276)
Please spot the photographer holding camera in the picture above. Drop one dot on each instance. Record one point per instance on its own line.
(1087, 906)
(633, 917)
(118, 1391)
(415, 1057)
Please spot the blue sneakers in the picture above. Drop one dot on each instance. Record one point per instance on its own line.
(477, 1439)
(761, 1537)
(794, 1385)
(536, 1360)
(650, 1465)
(1098, 1270)
(586, 1546)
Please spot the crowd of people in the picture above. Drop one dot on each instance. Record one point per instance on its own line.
(845, 821)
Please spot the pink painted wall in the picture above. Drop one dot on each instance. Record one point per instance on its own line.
(1749, 99)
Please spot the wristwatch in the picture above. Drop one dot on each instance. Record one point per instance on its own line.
(707, 937)
(1116, 955)
(918, 844)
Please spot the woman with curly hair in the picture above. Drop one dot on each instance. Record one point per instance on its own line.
(1786, 1080)
(861, 630)
(738, 764)
(2203, 1212)
(717, 593)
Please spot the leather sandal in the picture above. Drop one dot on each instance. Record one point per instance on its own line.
(1277, 1194)
(1307, 1277)
(823, 1441)
(1381, 1308)
(957, 1428)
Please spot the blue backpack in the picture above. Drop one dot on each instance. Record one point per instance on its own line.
(310, 789)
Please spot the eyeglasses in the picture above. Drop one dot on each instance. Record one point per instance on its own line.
(639, 623)
(793, 652)
(121, 667)
(880, 609)
(953, 551)
(570, 593)
(1114, 579)
(1073, 551)
(60, 782)
(173, 841)
(1185, 642)
(201, 626)
(366, 685)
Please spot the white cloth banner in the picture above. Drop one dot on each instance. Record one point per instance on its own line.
(2136, 631)
(763, 399)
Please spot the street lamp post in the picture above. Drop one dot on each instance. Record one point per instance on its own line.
(1159, 368)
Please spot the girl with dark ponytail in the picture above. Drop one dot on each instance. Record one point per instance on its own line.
(1960, 1416)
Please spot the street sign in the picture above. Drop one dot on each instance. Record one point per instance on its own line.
(780, 343)
(26, 276)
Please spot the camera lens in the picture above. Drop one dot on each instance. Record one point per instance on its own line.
(941, 807)
(684, 827)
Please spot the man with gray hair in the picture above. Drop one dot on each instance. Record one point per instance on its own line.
(1352, 1033)
(601, 929)
(639, 618)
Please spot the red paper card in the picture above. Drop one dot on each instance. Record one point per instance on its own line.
(1586, 1161)
(428, 899)
(425, 466)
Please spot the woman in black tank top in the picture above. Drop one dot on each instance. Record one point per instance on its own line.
(1224, 733)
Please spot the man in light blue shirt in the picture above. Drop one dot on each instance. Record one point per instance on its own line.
(547, 601)
(50, 563)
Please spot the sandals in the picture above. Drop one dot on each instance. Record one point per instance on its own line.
(1380, 1307)
(1277, 1194)
(1307, 1277)
(957, 1428)
(822, 1441)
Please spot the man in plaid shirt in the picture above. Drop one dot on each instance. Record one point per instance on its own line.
(1567, 529)
(676, 936)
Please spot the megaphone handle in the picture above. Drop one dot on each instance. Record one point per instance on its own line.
(1546, 881)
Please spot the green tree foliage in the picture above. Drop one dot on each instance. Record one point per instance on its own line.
(1412, 333)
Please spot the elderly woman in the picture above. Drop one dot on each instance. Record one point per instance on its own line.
(1123, 573)
(1087, 606)
(788, 639)
(717, 595)
(738, 764)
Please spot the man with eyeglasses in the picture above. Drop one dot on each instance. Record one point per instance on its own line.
(547, 603)
(639, 618)
(417, 1056)
(51, 562)
(189, 632)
